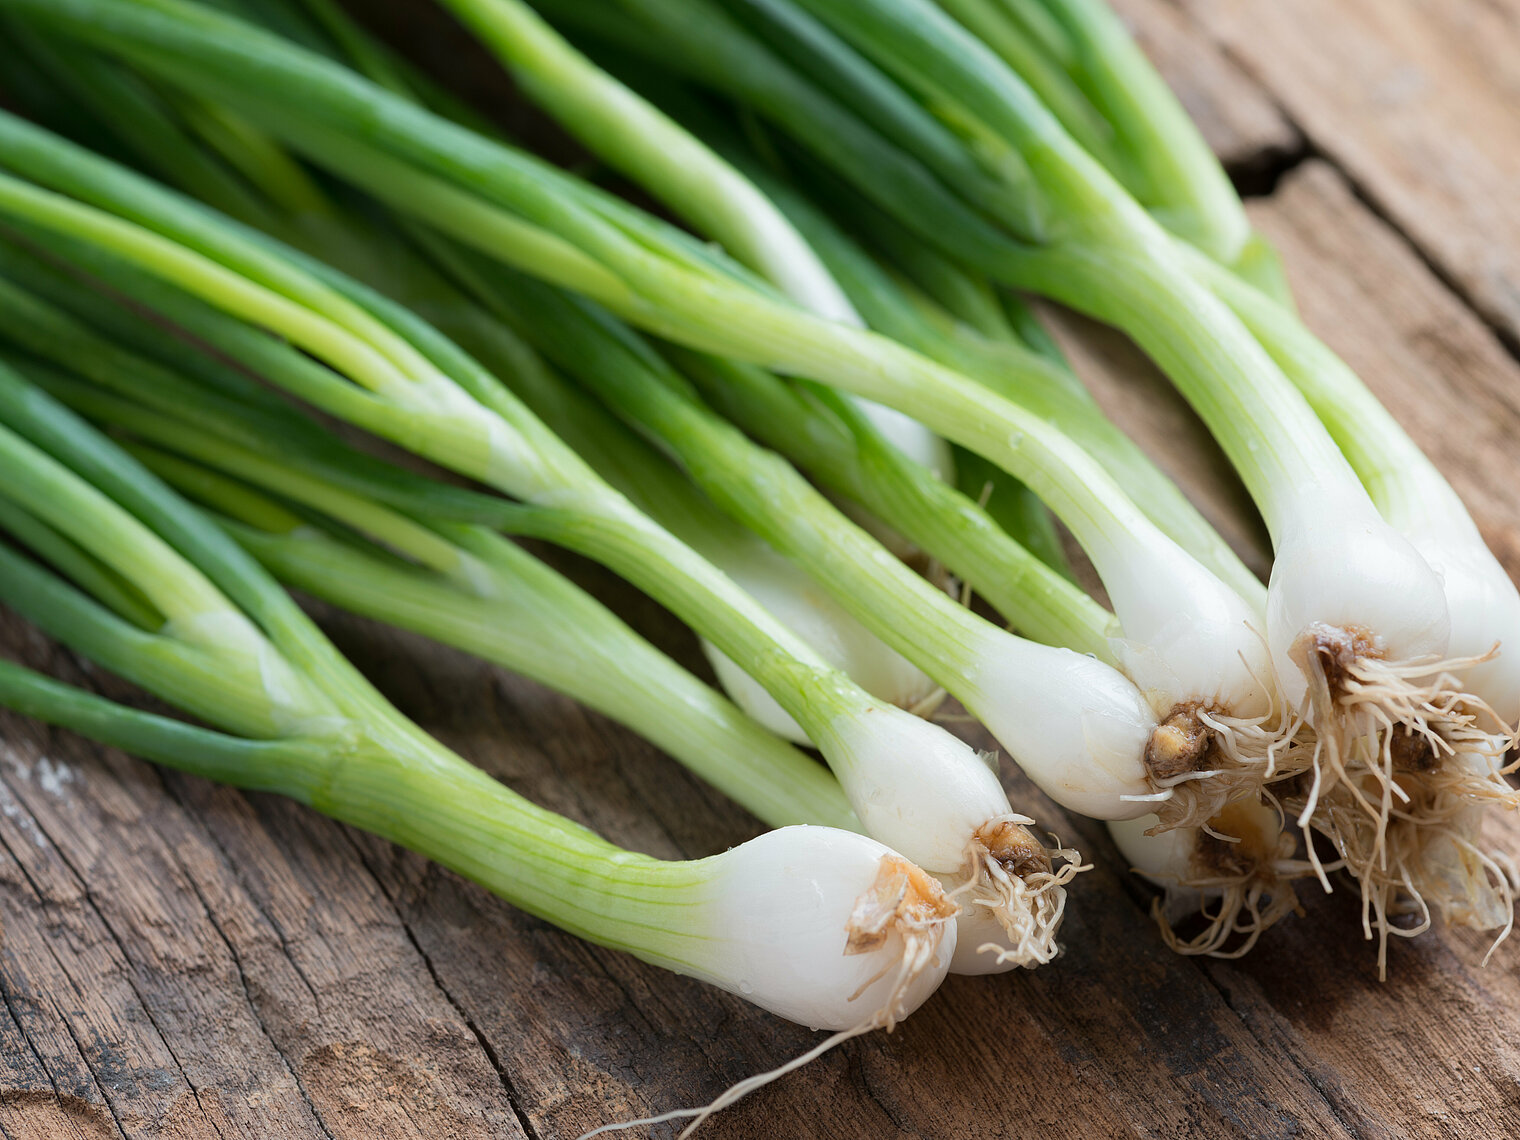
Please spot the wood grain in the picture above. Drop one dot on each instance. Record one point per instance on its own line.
(1416, 101)
(182, 960)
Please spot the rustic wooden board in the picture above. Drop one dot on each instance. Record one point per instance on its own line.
(1416, 100)
(184, 960)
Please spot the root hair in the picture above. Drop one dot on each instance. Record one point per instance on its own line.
(1239, 890)
(1011, 874)
(903, 901)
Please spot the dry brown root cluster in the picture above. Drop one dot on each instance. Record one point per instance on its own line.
(1022, 883)
(1390, 786)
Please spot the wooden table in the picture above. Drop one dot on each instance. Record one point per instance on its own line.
(183, 960)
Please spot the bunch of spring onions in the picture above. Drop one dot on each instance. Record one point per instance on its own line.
(824, 926)
(1385, 609)
(380, 367)
(1211, 722)
(752, 422)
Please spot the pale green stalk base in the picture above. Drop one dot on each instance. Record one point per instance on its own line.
(387, 778)
(814, 430)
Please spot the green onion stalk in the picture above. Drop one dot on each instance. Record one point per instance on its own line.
(1074, 723)
(1189, 640)
(1358, 619)
(1084, 65)
(363, 359)
(1077, 726)
(459, 583)
(1431, 853)
(908, 495)
(43, 329)
(648, 479)
(462, 585)
(1422, 848)
(828, 928)
(717, 200)
(693, 178)
(958, 320)
(275, 194)
(710, 194)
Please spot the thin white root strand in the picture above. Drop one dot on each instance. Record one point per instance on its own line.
(1429, 862)
(1009, 873)
(736, 1091)
(1237, 910)
(903, 902)
(1392, 749)
(1241, 886)
(1235, 758)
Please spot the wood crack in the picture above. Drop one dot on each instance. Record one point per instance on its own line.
(1313, 1078)
(508, 1085)
(1509, 339)
(253, 1008)
(104, 1099)
(20, 1025)
(1261, 185)
(253, 900)
(1258, 175)
(89, 899)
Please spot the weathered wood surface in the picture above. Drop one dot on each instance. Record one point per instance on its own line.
(184, 960)
(1416, 101)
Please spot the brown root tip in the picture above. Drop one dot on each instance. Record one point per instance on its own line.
(1182, 743)
(1333, 652)
(1011, 844)
(1013, 877)
(1412, 751)
(902, 893)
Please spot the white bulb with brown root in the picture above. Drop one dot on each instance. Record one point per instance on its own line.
(1196, 650)
(1236, 874)
(1361, 632)
(826, 928)
(931, 797)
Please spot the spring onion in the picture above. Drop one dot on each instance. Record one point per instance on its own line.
(1352, 601)
(826, 927)
(1188, 638)
(1412, 838)
(381, 368)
